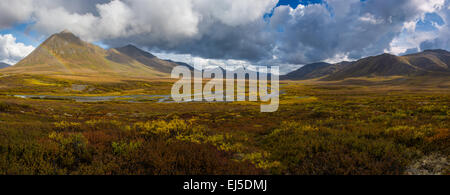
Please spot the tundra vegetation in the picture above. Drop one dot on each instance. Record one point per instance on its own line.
(320, 128)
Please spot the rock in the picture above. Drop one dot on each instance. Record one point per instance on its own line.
(79, 87)
(68, 115)
(433, 164)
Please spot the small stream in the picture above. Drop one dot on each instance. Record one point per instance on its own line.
(125, 98)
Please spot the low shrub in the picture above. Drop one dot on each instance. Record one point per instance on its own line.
(410, 136)
(65, 126)
(304, 149)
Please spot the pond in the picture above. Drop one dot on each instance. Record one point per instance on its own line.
(124, 98)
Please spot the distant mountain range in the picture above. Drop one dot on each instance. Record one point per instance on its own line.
(4, 65)
(428, 62)
(66, 54)
(315, 70)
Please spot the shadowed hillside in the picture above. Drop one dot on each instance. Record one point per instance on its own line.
(431, 60)
(147, 59)
(315, 70)
(382, 65)
(3, 65)
(426, 63)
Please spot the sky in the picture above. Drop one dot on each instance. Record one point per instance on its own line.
(288, 33)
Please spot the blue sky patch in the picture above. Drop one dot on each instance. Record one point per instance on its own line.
(23, 34)
(427, 23)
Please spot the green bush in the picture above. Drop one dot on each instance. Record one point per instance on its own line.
(4, 107)
(162, 128)
(65, 126)
(72, 149)
(123, 148)
(410, 136)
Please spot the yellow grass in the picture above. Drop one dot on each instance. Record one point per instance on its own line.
(38, 82)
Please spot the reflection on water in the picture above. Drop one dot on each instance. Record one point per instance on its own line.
(125, 98)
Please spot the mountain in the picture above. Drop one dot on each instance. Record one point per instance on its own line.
(431, 60)
(382, 65)
(66, 54)
(4, 65)
(147, 59)
(315, 70)
(428, 62)
(182, 64)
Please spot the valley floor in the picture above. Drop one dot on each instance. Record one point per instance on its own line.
(319, 129)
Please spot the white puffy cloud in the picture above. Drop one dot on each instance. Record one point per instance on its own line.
(370, 19)
(11, 51)
(206, 63)
(49, 21)
(14, 11)
(164, 19)
(413, 40)
(442, 39)
(428, 6)
(169, 20)
(209, 28)
(206, 28)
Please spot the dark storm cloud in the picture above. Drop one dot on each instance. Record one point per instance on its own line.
(355, 28)
(218, 41)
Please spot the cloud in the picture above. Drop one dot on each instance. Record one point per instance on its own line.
(241, 30)
(170, 20)
(231, 12)
(207, 28)
(434, 36)
(11, 51)
(14, 11)
(223, 29)
(442, 38)
(355, 28)
(370, 19)
(213, 63)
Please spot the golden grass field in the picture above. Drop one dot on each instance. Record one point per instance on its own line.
(357, 126)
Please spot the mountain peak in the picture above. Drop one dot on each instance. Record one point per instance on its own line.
(147, 58)
(65, 53)
(63, 38)
(441, 51)
(65, 31)
(134, 51)
(130, 46)
(311, 71)
(386, 55)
